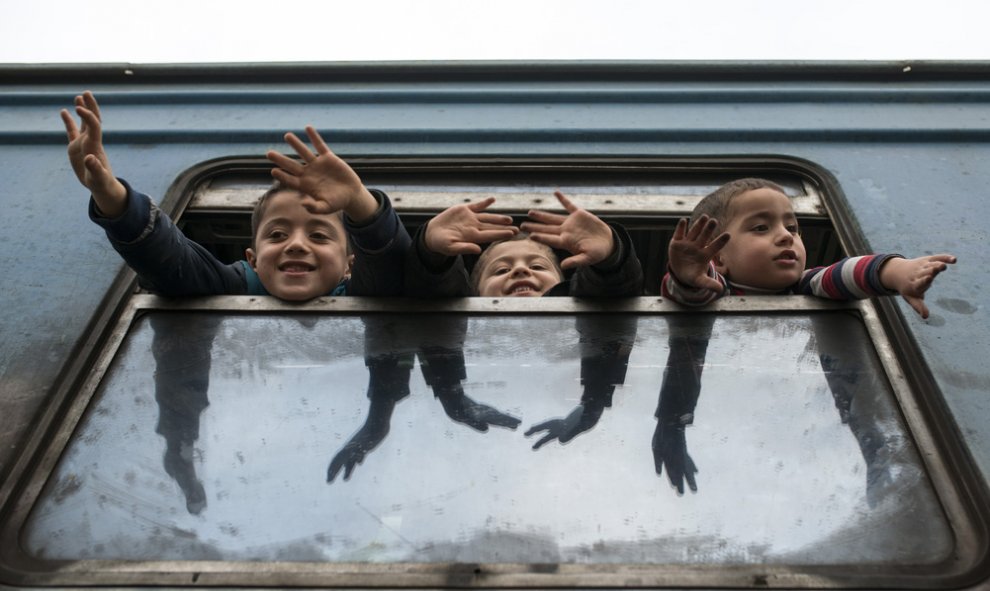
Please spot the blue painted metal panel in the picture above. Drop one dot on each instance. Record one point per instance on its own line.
(910, 157)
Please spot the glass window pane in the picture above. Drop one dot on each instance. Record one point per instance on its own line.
(212, 437)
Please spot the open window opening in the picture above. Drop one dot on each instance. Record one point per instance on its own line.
(646, 200)
(240, 441)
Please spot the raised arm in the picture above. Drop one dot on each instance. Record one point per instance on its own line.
(322, 175)
(460, 229)
(912, 277)
(691, 251)
(579, 232)
(89, 160)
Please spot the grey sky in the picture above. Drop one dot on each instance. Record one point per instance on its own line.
(179, 31)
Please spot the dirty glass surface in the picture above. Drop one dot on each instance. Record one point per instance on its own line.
(389, 438)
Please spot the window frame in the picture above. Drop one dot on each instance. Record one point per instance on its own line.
(913, 387)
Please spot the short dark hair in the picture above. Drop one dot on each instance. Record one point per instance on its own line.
(716, 204)
(482, 261)
(261, 206)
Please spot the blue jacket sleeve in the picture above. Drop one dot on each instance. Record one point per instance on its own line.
(167, 263)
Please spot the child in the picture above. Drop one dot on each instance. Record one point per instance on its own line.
(761, 252)
(302, 229)
(520, 264)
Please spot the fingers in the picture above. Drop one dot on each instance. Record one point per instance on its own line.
(691, 481)
(484, 236)
(544, 426)
(474, 423)
(317, 140)
(300, 147)
(943, 258)
(287, 179)
(578, 260)
(918, 304)
(567, 203)
(478, 206)
(545, 218)
(96, 168)
(89, 101)
(715, 246)
(71, 130)
(289, 165)
(680, 231)
(545, 440)
(335, 467)
(90, 122)
(690, 469)
(504, 420)
(494, 219)
(457, 248)
(551, 240)
(535, 228)
(702, 230)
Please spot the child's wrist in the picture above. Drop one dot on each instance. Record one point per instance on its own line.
(362, 207)
(889, 273)
(112, 201)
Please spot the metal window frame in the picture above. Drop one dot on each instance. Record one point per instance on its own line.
(946, 463)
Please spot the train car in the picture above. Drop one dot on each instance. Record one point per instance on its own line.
(242, 441)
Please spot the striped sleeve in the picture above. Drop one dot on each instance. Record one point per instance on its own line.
(852, 278)
(672, 289)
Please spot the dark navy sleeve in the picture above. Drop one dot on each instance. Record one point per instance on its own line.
(167, 263)
(380, 247)
(429, 274)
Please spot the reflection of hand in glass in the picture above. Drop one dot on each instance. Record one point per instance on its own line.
(353, 453)
(670, 449)
(687, 345)
(388, 383)
(581, 419)
(444, 371)
(605, 343)
(474, 414)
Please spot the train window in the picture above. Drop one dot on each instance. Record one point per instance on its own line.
(646, 198)
(529, 443)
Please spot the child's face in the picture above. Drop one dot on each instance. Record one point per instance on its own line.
(518, 268)
(765, 249)
(300, 255)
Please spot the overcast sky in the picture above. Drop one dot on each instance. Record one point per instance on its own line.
(183, 31)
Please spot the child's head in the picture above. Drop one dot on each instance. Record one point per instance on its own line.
(517, 267)
(765, 249)
(298, 255)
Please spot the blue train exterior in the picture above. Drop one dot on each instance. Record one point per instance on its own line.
(907, 146)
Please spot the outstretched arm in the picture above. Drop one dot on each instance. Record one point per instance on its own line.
(323, 176)
(89, 160)
(912, 277)
(692, 250)
(462, 228)
(580, 232)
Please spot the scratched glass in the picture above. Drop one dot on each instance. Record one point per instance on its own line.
(213, 436)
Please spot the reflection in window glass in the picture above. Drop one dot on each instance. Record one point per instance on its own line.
(213, 438)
